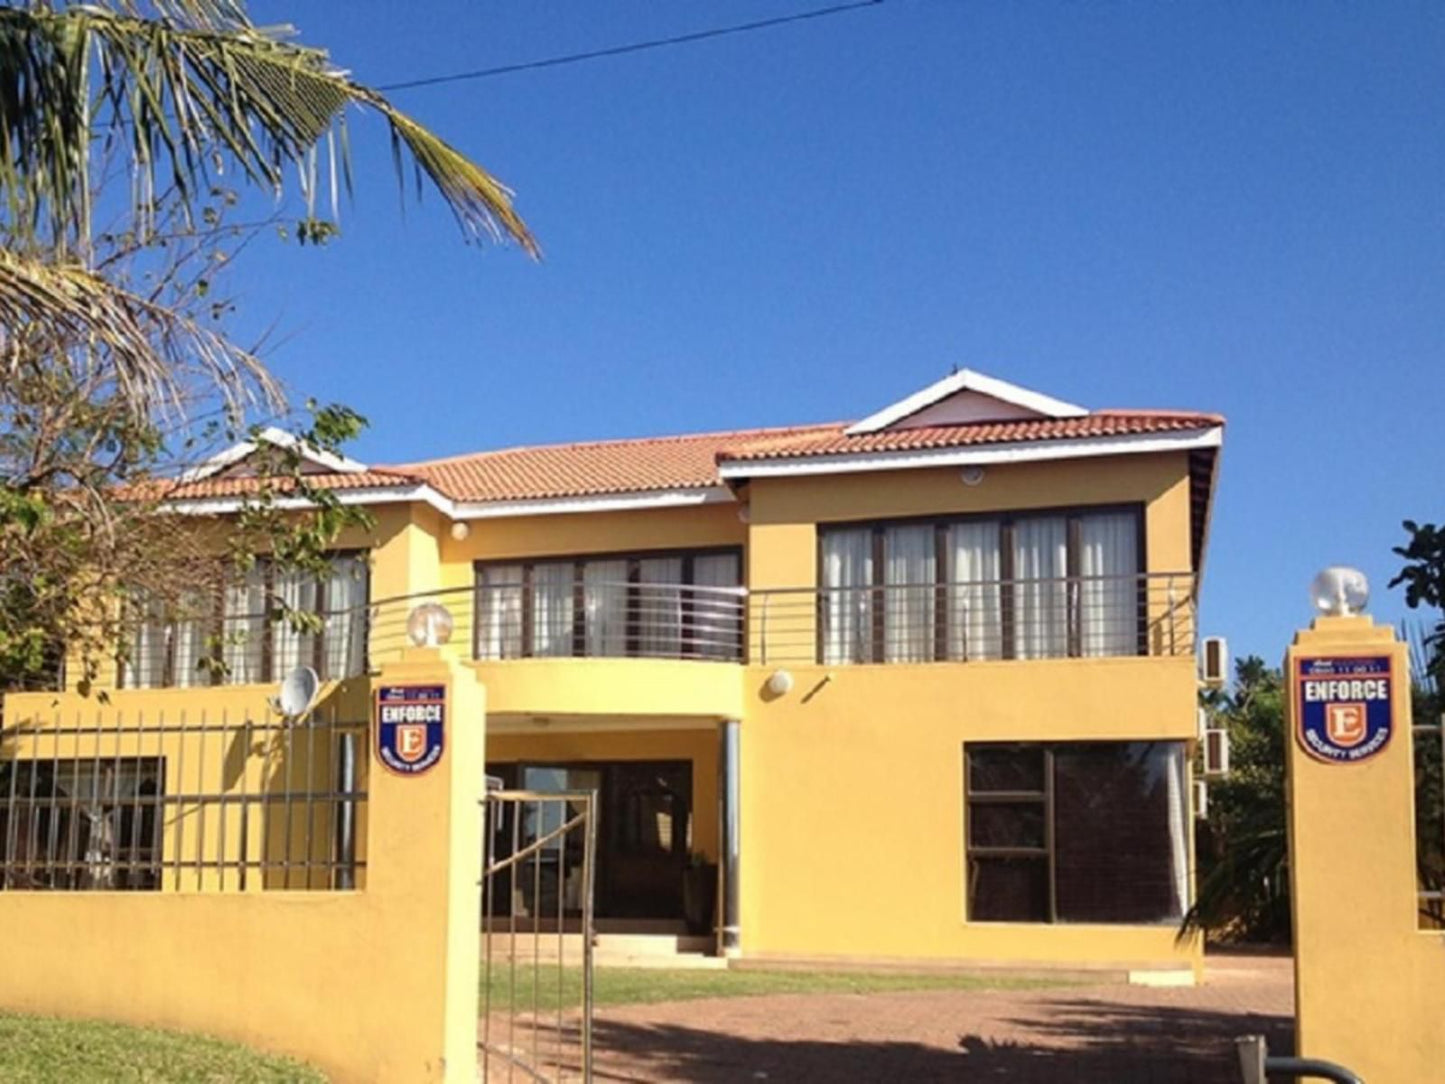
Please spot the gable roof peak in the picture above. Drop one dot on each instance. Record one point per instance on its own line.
(975, 397)
(228, 459)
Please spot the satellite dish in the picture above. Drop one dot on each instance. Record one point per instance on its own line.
(297, 692)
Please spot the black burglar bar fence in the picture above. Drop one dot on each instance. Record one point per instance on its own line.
(193, 802)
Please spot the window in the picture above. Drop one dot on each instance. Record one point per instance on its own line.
(175, 644)
(1023, 587)
(1077, 832)
(87, 824)
(674, 605)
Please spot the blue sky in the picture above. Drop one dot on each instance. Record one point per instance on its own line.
(1226, 207)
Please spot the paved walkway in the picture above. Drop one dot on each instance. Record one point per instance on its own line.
(1108, 1034)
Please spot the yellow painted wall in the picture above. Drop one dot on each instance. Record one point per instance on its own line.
(376, 985)
(1368, 982)
(632, 687)
(853, 814)
(853, 817)
(547, 746)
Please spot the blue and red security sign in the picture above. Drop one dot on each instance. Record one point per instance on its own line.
(1344, 707)
(410, 726)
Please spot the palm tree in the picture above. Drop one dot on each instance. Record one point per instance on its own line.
(151, 103)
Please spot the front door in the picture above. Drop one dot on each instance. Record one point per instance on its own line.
(644, 815)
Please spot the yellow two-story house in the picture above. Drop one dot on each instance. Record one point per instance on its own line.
(918, 687)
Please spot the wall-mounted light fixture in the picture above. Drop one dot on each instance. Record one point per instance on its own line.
(461, 531)
(780, 683)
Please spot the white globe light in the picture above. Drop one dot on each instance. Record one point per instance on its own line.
(429, 625)
(1339, 591)
(780, 683)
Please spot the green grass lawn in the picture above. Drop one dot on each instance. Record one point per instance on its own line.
(42, 1050)
(637, 985)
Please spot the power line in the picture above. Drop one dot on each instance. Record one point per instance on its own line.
(635, 47)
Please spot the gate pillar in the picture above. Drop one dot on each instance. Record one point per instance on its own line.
(1369, 983)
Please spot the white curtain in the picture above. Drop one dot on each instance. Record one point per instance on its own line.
(1176, 769)
(975, 624)
(717, 614)
(147, 663)
(659, 607)
(499, 612)
(243, 627)
(1109, 585)
(1041, 615)
(908, 572)
(604, 586)
(189, 631)
(293, 646)
(847, 602)
(552, 596)
(345, 626)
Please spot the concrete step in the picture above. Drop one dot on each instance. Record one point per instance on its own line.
(609, 948)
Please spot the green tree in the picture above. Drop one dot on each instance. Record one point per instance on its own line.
(131, 132)
(1243, 852)
(1423, 577)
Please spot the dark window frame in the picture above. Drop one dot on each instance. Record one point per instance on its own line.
(1045, 797)
(633, 581)
(1007, 521)
(217, 619)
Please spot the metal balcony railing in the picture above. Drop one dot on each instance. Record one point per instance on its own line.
(1072, 617)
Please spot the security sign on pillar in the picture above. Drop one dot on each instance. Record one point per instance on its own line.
(1368, 981)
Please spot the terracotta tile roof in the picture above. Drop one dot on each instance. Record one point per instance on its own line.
(1103, 423)
(691, 461)
(596, 468)
(237, 486)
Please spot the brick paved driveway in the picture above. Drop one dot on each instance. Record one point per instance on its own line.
(1077, 1035)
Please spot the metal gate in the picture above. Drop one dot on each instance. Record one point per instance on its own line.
(539, 873)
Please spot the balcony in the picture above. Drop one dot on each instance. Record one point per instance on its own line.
(1075, 617)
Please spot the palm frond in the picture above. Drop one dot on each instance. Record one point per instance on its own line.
(152, 356)
(182, 101)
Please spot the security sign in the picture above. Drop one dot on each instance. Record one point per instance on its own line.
(1344, 707)
(410, 726)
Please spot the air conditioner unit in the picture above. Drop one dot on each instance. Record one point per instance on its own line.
(1214, 662)
(1201, 799)
(1216, 753)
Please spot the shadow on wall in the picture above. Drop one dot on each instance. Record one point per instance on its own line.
(1053, 1041)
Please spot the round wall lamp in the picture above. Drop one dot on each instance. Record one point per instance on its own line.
(971, 476)
(461, 531)
(780, 683)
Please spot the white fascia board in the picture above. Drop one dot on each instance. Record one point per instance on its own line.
(220, 506)
(605, 502)
(982, 455)
(600, 502)
(271, 435)
(966, 380)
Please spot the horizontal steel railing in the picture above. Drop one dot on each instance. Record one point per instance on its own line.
(182, 802)
(1080, 616)
(597, 620)
(246, 648)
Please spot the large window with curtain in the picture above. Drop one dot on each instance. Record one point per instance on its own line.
(676, 604)
(1077, 832)
(232, 632)
(1024, 586)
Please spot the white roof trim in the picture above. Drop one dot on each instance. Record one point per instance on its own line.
(280, 438)
(457, 510)
(597, 502)
(966, 380)
(977, 455)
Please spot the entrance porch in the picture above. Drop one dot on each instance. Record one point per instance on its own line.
(657, 875)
